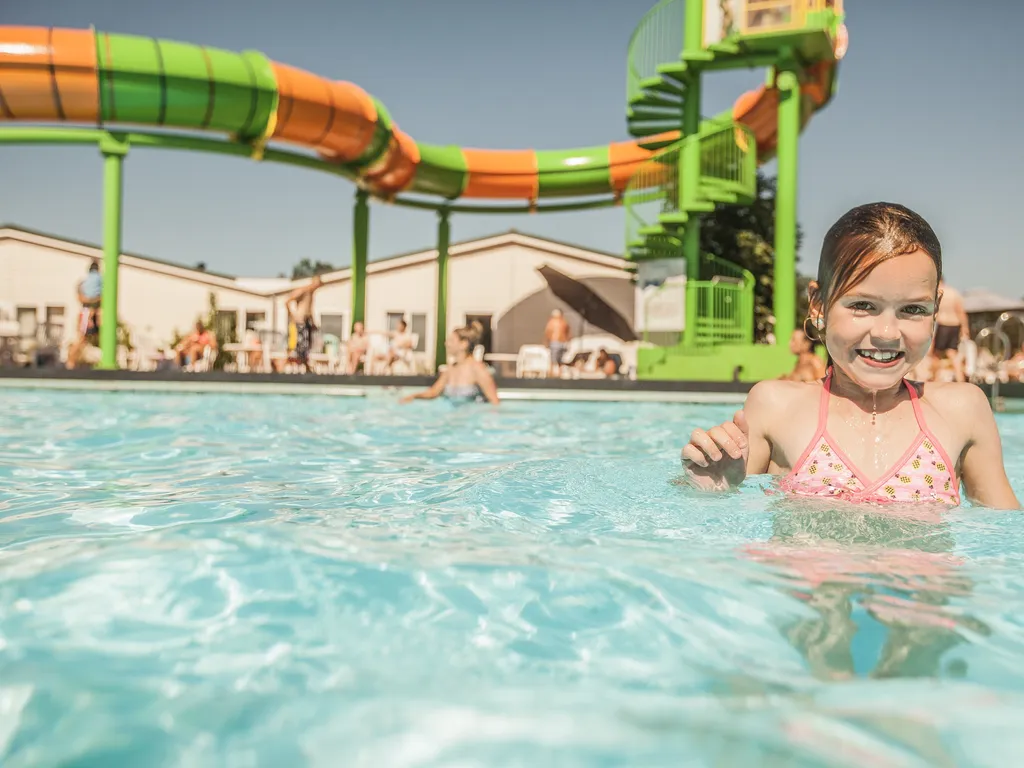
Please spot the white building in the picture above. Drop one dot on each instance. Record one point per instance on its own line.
(492, 279)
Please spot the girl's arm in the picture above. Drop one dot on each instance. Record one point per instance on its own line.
(722, 457)
(982, 467)
(762, 400)
(429, 394)
(485, 381)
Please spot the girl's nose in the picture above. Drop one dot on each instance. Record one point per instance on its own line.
(885, 329)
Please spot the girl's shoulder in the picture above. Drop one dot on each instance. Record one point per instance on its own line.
(953, 395)
(779, 397)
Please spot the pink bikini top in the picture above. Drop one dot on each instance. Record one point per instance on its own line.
(924, 473)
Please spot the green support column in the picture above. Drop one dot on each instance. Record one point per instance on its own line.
(114, 148)
(689, 184)
(441, 307)
(689, 157)
(360, 248)
(788, 84)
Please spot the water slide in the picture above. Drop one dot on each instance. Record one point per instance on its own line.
(55, 75)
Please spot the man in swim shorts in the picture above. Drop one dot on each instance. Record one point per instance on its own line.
(300, 322)
(556, 336)
(952, 327)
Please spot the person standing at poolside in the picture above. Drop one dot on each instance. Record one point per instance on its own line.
(300, 321)
(557, 336)
(952, 327)
(90, 292)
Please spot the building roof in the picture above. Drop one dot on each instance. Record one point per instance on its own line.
(268, 286)
(985, 300)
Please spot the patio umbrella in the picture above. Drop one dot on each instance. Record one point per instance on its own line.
(587, 303)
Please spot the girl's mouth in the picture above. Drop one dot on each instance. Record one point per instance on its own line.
(878, 358)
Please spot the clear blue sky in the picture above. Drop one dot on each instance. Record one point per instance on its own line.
(925, 115)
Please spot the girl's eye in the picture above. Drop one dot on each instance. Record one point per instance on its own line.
(861, 306)
(915, 309)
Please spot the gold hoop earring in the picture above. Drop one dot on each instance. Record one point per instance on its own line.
(818, 327)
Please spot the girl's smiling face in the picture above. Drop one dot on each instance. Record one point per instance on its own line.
(878, 331)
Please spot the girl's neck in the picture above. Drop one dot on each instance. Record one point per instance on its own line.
(866, 400)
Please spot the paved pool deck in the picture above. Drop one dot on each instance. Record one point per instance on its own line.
(577, 390)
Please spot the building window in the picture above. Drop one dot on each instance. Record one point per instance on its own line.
(28, 323)
(393, 319)
(418, 326)
(252, 319)
(54, 328)
(334, 325)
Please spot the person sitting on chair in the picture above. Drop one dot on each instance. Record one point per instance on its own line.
(191, 349)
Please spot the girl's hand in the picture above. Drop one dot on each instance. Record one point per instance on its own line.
(716, 460)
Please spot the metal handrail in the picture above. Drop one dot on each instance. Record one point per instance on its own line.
(657, 39)
(651, 191)
(728, 156)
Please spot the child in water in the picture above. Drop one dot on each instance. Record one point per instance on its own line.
(865, 433)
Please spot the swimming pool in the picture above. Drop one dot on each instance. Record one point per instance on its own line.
(207, 580)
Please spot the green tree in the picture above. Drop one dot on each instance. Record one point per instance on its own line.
(745, 236)
(224, 329)
(308, 268)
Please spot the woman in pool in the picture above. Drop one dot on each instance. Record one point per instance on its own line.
(864, 433)
(809, 367)
(465, 378)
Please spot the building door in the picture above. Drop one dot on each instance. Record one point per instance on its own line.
(485, 336)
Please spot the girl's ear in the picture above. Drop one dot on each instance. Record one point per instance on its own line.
(814, 298)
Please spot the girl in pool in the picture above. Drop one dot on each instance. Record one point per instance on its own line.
(865, 433)
(465, 378)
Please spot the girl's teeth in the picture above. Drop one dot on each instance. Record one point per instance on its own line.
(882, 357)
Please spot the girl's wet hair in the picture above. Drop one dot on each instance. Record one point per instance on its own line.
(862, 239)
(470, 333)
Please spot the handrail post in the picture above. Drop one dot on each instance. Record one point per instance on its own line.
(441, 306)
(689, 158)
(788, 83)
(114, 148)
(360, 249)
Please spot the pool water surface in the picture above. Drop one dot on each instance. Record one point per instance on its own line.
(223, 580)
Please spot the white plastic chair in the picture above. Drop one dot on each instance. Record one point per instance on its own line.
(205, 363)
(406, 361)
(376, 348)
(533, 359)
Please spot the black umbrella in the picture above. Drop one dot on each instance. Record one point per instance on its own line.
(587, 303)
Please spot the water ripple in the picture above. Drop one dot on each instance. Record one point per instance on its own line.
(208, 580)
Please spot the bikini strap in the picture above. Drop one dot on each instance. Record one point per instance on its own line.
(826, 390)
(916, 402)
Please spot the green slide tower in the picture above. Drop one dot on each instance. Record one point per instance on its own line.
(704, 162)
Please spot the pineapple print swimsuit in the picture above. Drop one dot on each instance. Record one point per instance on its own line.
(924, 473)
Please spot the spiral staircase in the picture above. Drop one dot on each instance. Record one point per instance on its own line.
(715, 161)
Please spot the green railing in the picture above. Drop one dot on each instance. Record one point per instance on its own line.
(712, 266)
(724, 311)
(652, 190)
(728, 162)
(658, 39)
